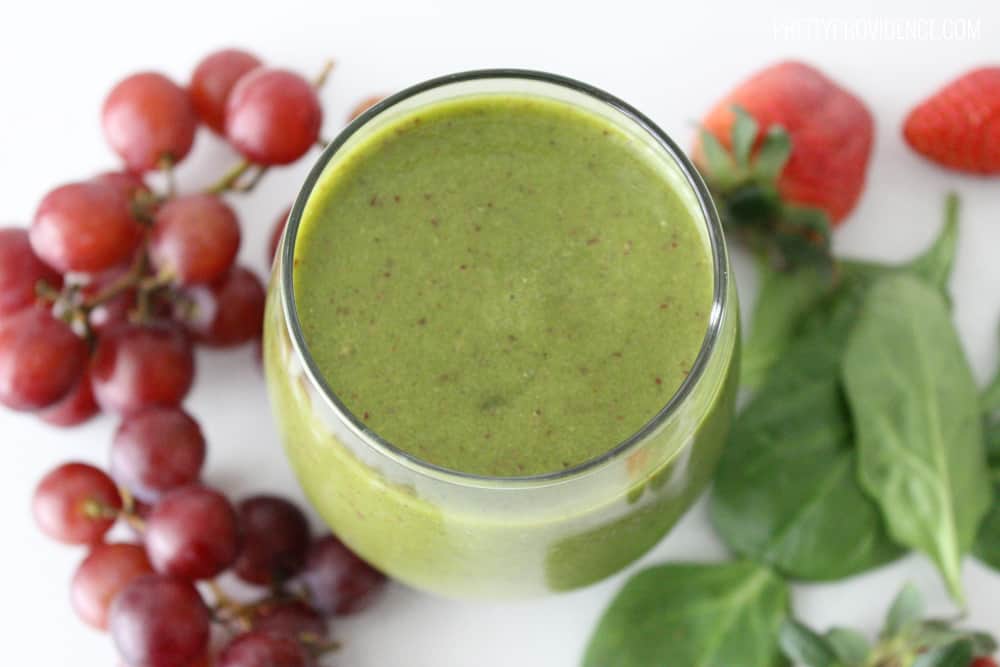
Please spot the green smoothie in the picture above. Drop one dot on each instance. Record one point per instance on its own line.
(494, 284)
(502, 285)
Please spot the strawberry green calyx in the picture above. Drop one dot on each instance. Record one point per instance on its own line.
(744, 185)
(906, 640)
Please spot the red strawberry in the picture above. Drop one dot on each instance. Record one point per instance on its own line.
(782, 189)
(831, 132)
(984, 662)
(959, 126)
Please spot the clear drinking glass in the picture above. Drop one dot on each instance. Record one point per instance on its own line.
(471, 536)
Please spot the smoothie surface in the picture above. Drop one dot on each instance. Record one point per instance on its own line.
(501, 285)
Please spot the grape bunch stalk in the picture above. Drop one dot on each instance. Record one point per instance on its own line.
(102, 299)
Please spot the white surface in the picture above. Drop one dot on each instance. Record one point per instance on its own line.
(57, 62)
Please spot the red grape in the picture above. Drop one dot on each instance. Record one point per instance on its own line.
(21, 271)
(127, 183)
(276, 232)
(157, 450)
(230, 311)
(213, 80)
(292, 618)
(364, 105)
(148, 118)
(75, 407)
(337, 580)
(72, 503)
(262, 649)
(273, 116)
(195, 238)
(84, 227)
(139, 366)
(41, 359)
(106, 570)
(159, 621)
(192, 533)
(275, 539)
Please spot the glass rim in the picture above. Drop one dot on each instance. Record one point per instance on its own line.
(382, 446)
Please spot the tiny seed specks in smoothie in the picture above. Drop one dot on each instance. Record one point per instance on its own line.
(507, 282)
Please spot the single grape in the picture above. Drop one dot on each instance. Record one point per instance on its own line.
(106, 570)
(275, 539)
(76, 503)
(229, 312)
(192, 533)
(85, 227)
(213, 80)
(128, 184)
(338, 581)
(195, 238)
(147, 118)
(263, 649)
(273, 116)
(276, 232)
(41, 359)
(75, 407)
(157, 450)
(21, 271)
(364, 105)
(292, 618)
(159, 621)
(139, 366)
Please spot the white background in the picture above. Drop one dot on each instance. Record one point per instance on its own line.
(58, 61)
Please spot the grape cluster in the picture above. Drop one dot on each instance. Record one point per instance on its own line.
(102, 300)
(145, 593)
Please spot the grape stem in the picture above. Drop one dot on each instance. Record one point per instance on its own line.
(318, 646)
(128, 511)
(167, 167)
(230, 178)
(125, 282)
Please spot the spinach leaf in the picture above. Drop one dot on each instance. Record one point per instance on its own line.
(987, 547)
(781, 299)
(804, 647)
(934, 265)
(786, 492)
(992, 432)
(991, 395)
(917, 422)
(696, 615)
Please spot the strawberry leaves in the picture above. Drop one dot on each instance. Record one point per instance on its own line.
(745, 188)
(908, 639)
